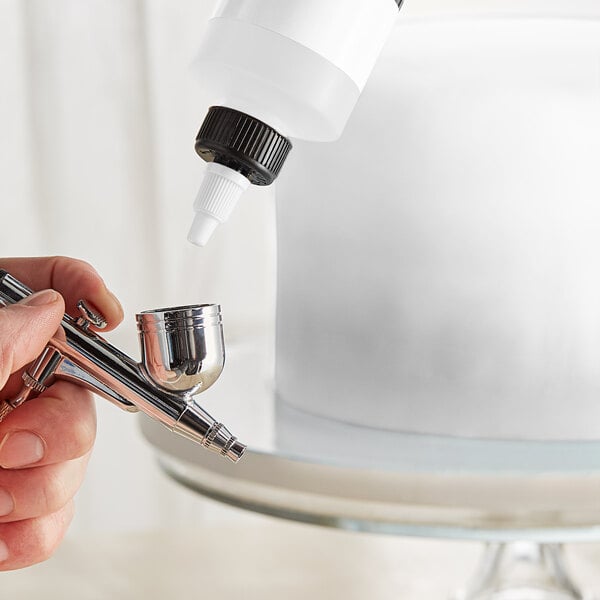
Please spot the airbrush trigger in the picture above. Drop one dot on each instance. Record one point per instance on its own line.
(89, 317)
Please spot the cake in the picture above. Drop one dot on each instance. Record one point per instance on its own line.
(439, 265)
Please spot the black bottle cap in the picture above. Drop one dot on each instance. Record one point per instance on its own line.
(242, 143)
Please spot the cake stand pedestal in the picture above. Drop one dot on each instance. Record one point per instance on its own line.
(521, 498)
(521, 571)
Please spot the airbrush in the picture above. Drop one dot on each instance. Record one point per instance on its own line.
(182, 355)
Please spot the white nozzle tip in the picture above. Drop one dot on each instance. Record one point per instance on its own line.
(215, 201)
(202, 229)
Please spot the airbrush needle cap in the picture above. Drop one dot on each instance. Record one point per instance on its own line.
(216, 199)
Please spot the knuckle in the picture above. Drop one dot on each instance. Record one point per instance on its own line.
(4, 364)
(84, 433)
(71, 415)
(46, 541)
(6, 347)
(56, 492)
(65, 266)
(66, 263)
(88, 421)
(50, 531)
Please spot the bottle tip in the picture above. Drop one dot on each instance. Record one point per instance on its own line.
(216, 199)
(202, 228)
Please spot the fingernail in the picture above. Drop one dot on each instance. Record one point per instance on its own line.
(3, 551)
(40, 298)
(20, 449)
(7, 504)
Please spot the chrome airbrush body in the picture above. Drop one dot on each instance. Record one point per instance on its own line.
(182, 354)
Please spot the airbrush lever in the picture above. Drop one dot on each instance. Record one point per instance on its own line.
(182, 355)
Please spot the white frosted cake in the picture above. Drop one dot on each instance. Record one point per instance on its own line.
(439, 266)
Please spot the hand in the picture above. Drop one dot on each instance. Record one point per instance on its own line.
(45, 444)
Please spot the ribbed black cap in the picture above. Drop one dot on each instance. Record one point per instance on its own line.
(242, 143)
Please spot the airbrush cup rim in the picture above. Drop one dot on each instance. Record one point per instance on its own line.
(191, 316)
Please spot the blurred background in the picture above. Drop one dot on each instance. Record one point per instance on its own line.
(98, 114)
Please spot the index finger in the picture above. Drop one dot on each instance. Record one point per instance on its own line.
(74, 279)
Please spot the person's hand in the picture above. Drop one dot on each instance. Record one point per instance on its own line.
(45, 443)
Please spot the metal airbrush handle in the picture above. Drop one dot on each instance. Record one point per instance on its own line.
(183, 354)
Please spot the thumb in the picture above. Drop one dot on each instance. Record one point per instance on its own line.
(25, 329)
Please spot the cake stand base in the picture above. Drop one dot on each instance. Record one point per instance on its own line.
(521, 571)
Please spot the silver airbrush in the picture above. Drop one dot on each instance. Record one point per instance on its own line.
(182, 355)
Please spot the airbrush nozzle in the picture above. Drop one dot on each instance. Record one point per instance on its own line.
(215, 437)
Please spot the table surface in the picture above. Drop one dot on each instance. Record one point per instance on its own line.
(260, 558)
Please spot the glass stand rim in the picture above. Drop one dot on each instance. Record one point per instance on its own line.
(372, 502)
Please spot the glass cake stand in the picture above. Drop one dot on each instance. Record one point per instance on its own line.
(522, 499)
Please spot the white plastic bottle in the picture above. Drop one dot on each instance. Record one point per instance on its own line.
(278, 69)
